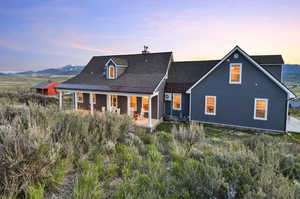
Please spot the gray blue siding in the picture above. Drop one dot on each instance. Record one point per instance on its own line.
(276, 71)
(235, 102)
(178, 114)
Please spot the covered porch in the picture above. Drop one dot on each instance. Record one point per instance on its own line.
(142, 108)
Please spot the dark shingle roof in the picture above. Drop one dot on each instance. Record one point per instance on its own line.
(42, 84)
(182, 75)
(120, 61)
(143, 74)
(268, 59)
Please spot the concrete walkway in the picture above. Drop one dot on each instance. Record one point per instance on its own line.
(293, 124)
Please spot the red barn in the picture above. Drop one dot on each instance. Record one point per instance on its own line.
(46, 88)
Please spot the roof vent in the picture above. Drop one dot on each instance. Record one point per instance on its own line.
(145, 51)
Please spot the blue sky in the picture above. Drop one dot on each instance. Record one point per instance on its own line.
(36, 34)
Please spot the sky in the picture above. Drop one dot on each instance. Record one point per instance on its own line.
(38, 34)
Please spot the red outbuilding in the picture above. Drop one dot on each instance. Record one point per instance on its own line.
(46, 88)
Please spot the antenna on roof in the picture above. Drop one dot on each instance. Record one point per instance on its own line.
(145, 51)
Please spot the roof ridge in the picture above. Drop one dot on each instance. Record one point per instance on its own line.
(116, 55)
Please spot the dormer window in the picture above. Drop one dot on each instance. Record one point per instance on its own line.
(111, 72)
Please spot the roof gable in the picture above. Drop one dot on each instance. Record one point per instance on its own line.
(237, 48)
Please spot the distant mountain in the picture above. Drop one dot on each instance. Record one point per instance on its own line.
(291, 73)
(66, 70)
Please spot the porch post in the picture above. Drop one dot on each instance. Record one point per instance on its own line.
(76, 100)
(60, 100)
(108, 100)
(157, 104)
(128, 105)
(150, 112)
(91, 103)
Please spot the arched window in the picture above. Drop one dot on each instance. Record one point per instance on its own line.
(111, 72)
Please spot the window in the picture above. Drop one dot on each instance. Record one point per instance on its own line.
(210, 105)
(177, 101)
(260, 109)
(133, 103)
(145, 103)
(111, 72)
(114, 101)
(235, 74)
(80, 97)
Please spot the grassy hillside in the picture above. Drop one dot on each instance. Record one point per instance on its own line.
(15, 82)
(46, 153)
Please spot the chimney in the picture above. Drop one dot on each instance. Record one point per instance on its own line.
(145, 51)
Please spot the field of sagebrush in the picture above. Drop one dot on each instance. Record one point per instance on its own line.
(47, 153)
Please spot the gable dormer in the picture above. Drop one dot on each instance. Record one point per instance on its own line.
(115, 67)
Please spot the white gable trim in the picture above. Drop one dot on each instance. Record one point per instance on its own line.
(114, 63)
(290, 94)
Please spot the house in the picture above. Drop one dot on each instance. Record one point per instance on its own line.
(46, 88)
(239, 90)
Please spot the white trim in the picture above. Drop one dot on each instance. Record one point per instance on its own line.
(174, 108)
(117, 65)
(287, 114)
(190, 108)
(290, 94)
(165, 76)
(115, 70)
(76, 101)
(91, 103)
(238, 126)
(215, 105)
(266, 110)
(157, 104)
(230, 74)
(109, 93)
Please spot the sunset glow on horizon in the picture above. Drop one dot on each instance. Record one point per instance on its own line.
(36, 34)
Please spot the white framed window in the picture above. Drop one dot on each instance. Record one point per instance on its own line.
(145, 104)
(133, 103)
(111, 72)
(235, 73)
(80, 97)
(210, 105)
(114, 101)
(261, 108)
(176, 101)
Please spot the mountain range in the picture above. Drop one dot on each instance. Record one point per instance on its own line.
(291, 73)
(65, 70)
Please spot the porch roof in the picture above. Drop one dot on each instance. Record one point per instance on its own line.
(105, 88)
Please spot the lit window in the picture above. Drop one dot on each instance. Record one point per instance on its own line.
(80, 97)
(145, 104)
(176, 101)
(210, 105)
(114, 100)
(261, 109)
(133, 103)
(235, 74)
(112, 72)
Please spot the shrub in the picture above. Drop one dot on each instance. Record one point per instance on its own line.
(87, 182)
(35, 192)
